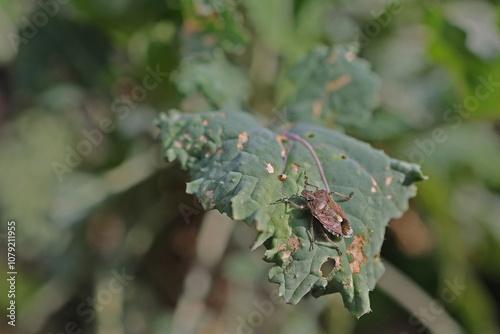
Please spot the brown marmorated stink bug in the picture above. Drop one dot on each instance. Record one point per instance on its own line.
(326, 210)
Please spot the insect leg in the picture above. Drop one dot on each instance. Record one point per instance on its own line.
(286, 200)
(346, 197)
(312, 234)
(327, 238)
(307, 183)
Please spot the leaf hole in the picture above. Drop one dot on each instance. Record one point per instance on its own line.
(310, 135)
(327, 267)
(343, 157)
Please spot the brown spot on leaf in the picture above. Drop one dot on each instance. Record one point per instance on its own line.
(269, 168)
(219, 150)
(280, 139)
(374, 190)
(295, 167)
(208, 154)
(177, 144)
(338, 262)
(210, 196)
(243, 138)
(282, 177)
(206, 121)
(356, 250)
(338, 83)
(223, 114)
(389, 196)
(290, 247)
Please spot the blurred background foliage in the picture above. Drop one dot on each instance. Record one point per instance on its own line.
(72, 68)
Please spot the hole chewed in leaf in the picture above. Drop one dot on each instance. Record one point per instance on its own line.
(290, 247)
(356, 251)
(331, 264)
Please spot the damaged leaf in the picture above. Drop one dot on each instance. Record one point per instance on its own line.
(333, 86)
(236, 180)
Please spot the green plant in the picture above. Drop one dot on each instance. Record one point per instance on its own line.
(237, 167)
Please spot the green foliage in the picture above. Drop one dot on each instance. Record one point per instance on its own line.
(79, 64)
(221, 84)
(234, 165)
(333, 86)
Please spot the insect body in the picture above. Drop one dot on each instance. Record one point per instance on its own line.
(326, 210)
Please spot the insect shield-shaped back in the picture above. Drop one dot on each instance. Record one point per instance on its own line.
(328, 212)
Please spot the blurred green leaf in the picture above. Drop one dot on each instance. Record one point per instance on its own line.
(333, 86)
(223, 85)
(234, 163)
(448, 47)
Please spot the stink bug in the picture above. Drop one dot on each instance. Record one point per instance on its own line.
(324, 208)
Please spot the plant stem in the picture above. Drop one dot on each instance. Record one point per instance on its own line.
(413, 298)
